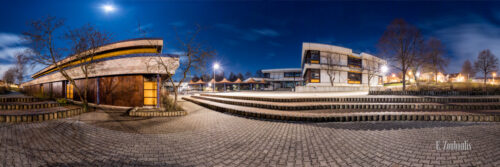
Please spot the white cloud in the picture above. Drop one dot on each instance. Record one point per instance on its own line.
(10, 45)
(8, 39)
(266, 32)
(7, 54)
(467, 40)
(248, 34)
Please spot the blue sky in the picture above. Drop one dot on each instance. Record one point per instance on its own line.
(254, 35)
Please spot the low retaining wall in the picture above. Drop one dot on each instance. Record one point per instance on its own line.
(18, 99)
(330, 88)
(434, 93)
(38, 117)
(28, 106)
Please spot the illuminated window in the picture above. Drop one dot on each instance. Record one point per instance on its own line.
(69, 90)
(150, 94)
(354, 77)
(315, 76)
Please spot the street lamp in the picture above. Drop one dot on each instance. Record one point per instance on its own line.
(216, 66)
(494, 75)
(384, 70)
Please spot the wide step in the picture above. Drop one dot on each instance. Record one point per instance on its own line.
(245, 111)
(27, 105)
(353, 106)
(366, 99)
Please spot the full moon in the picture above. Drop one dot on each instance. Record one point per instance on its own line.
(108, 8)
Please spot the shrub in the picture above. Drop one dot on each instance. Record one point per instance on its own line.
(4, 90)
(167, 102)
(62, 101)
(42, 96)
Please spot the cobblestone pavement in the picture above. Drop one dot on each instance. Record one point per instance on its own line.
(209, 138)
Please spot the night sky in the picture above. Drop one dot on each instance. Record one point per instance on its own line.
(266, 34)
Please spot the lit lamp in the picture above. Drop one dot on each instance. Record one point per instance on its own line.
(216, 66)
(384, 70)
(494, 75)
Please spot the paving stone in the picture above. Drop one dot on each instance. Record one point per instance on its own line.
(208, 138)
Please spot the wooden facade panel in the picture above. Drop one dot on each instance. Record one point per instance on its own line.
(46, 89)
(122, 90)
(58, 89)
(91, 92)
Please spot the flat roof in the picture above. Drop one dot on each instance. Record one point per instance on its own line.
(282, 70)
(110, 46)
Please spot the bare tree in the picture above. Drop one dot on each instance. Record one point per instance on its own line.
(42, 35)
(467, 69)
(84, 45)
(486, 63)
(195, 57)
(9, 76)
(372, 68)
(21, 62)
(434, 56)
(330, 67)
(401, 43)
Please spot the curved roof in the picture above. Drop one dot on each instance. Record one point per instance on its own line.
(134, 46)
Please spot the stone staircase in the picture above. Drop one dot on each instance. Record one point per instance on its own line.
(366, 108)
(29, 109)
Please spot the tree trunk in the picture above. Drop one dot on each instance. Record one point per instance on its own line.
(404, 80)
(485, 78)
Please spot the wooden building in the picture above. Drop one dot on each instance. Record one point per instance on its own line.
(125, 73)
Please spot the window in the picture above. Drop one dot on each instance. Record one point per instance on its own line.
(292, 74)
(313, 56)
(354, 77)
(69, 90)
(380, 82)
(267, 75)
(315, 76)
(354, 62)
(150, 93)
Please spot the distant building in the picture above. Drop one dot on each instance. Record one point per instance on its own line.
(283, 79)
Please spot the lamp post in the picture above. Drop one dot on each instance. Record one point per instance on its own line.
(494, 75)
(384, 70)
(216, 66)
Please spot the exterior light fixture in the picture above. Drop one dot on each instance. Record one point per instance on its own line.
(384, 69)
(216, 66)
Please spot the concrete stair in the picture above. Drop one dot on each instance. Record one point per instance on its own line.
(27, 105)
(357, 106)
(368, 99)
(363, 109)
(29, 109)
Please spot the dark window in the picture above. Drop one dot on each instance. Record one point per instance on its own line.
(354, 78)
(354, 62)
(267, 75)
(292, 74)
(312, 56)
